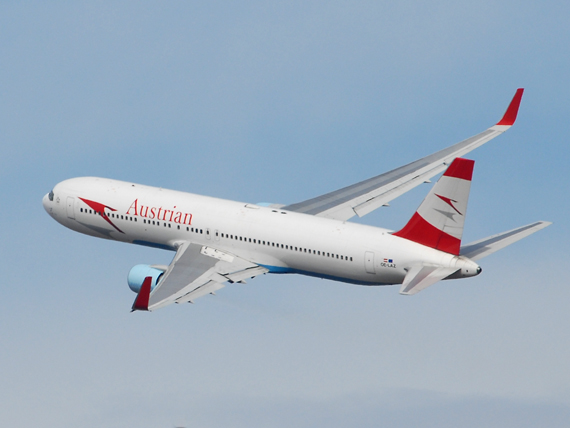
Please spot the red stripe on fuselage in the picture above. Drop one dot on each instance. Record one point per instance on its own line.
(420, 231)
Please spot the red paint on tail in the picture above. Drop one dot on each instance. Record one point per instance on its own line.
(420, 231)
(461, 168)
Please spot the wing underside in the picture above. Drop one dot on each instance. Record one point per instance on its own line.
(195, 271)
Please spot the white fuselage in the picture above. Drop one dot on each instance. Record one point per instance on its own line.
(282, 241)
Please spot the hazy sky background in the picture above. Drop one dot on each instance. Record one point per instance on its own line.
(280, 102)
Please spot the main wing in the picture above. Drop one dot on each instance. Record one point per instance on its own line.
(366, 196)
(195, 271)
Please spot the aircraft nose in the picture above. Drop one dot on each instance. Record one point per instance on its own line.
(47, 202)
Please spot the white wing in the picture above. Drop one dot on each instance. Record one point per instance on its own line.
(368, 195)
(195, 271)
(484, 247)
(422, 276)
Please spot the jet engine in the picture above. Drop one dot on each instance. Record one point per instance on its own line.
(138, 274)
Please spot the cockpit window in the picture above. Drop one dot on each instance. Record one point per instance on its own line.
(50, 196)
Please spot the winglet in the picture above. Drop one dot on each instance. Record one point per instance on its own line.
(141, 302)
(511, 114)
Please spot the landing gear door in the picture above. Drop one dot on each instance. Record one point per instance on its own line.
(369, 262)
(71, 207)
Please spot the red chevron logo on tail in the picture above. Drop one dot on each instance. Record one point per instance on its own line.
(449, 202)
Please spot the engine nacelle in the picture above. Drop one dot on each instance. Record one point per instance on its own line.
(139, 272)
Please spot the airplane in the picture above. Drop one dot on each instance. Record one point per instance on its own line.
(218, 241)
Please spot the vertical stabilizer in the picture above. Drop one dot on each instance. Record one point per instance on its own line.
(438, 222)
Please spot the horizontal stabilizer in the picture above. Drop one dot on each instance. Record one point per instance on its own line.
(482, 248)
(422, 276)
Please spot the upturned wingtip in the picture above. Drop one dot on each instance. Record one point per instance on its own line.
(141, 301)
(510, 115)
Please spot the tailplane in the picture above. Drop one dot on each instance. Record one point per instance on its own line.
(482, 248)
(438, 222)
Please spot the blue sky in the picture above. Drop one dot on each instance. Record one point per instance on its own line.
(282, 102)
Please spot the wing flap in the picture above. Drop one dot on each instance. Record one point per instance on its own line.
(209, 287)
(246, 274)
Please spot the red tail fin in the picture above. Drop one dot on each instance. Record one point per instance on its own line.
(438, 222)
